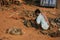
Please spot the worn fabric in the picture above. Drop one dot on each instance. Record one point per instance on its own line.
(41, 20)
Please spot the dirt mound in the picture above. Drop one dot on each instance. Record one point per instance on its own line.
(10, 18)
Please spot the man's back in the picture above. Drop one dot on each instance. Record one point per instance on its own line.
(41, 20)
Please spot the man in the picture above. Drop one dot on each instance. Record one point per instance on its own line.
(42, 20)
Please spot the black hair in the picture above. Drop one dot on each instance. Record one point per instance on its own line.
(37, 11)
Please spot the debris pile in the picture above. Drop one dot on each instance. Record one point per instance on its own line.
(9, 2)
(54, 23)
(55, 34)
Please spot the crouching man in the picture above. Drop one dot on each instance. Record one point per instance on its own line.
(41, 20)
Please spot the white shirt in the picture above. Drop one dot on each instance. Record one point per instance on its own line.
(41, 20)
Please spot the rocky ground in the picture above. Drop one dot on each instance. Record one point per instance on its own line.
(14, 16)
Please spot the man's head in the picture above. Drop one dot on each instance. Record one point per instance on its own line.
(37, 12)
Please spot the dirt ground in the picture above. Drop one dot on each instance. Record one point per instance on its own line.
(8, 19)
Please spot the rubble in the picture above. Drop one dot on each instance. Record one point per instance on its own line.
(9, 2)
(27, 23)
(54, 22)
(55, 34)
(4, 38)
(14, 31)
(30, 23)
(57, 21)
(52, 34)
(17, 2)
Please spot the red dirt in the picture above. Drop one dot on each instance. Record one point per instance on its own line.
(6, 21)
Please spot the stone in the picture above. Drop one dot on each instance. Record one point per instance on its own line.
(58, 24)
(17, 2)
(53, 23)
(52, 34)
(27, 23)
(57, 21)
(44, 32)
(59, 29)
(14, 31)
(55, 34)
(4, 38)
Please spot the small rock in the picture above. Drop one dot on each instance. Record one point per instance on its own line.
(44, 32)
(58, 24)
(14, 31)
(59, 29)
(4, 38)
(52, 34)
(57, 20)
(53, 23)
(17, 2)
(27, 23)
(55, 34)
